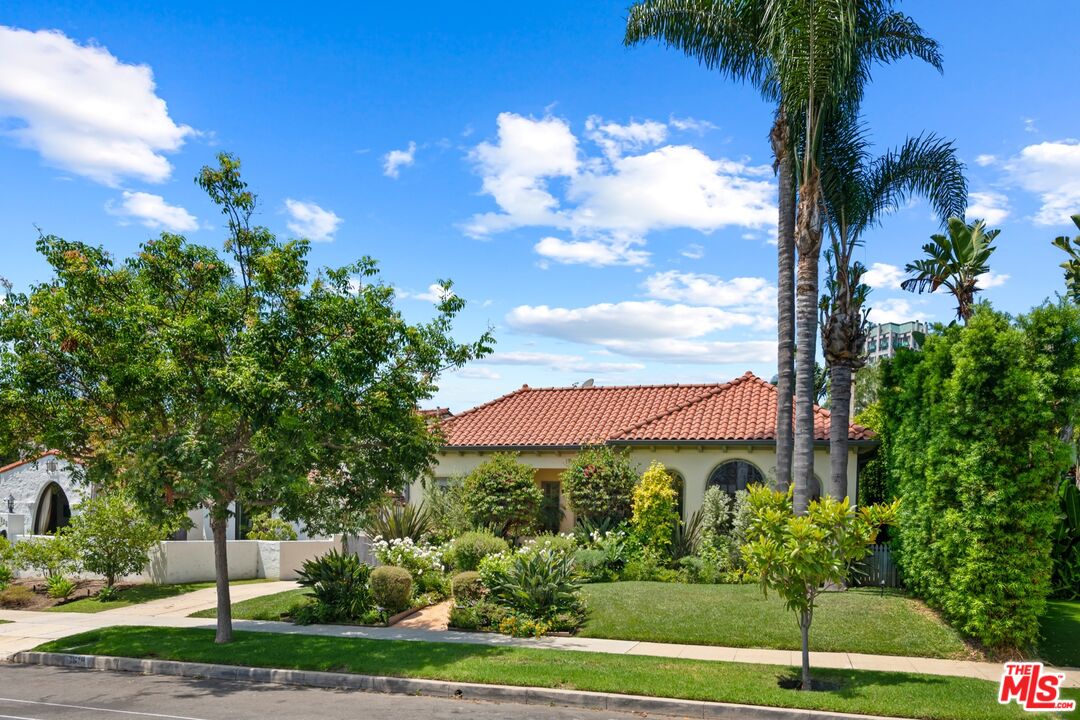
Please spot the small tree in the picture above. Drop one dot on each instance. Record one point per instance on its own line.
(599, 484)
(113, 537)
(655, 510)
(53, 557)
(796, 556)
(501, 493)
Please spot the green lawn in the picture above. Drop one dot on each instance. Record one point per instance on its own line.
(858, 620)
(877, 693)
(267, 607)
(1061, 633)
(136, 594)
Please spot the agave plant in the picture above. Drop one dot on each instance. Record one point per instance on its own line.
(397, 522)
(538, 584)
(339, 582)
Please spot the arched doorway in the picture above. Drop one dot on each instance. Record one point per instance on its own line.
(53, 510)
(734, 475)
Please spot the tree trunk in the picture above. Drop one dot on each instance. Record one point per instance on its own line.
(804, 628)
(808, 231)
(785, 302)
(840, 409)
(219, 523)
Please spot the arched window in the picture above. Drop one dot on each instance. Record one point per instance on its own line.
(735, 475)
(815, 489)
(53, 510)
(679, 484)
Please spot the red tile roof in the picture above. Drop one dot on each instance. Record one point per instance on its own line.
(743, 409)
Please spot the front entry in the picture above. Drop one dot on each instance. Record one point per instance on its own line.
(53, 510)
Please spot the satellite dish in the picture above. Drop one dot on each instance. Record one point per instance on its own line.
(587, 383)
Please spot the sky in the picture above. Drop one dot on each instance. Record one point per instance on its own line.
(608, 212)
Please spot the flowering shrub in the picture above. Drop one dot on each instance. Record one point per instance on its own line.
(423, 561)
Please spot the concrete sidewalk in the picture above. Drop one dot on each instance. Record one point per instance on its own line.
(29, 629)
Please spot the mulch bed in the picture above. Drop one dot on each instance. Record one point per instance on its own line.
(42, 601)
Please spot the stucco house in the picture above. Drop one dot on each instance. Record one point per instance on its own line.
(711, 434)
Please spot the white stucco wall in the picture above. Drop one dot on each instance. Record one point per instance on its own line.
(27, 482)
(694, 463)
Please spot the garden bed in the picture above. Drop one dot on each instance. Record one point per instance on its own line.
(280, 606)
(39, 600)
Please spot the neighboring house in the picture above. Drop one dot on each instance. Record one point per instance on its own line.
(716, 434)
(38, 494)
(882, 341)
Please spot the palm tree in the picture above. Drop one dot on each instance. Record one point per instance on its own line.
(741, 39)
(822, 53)
(954, 261)
(1072, 265)
(726, 35)
(859, 190)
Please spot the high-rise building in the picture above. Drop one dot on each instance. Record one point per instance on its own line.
(885, 339)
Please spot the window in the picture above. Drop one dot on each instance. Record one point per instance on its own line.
(735, 475)
(50, 466)
(680, 490)
(551, 513)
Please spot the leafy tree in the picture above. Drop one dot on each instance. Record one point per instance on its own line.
(51, 557)
(655, 511)
(975, 452)
(193, 379)
(1072, 265)
(113, 537)
(797, 556)
(954, 261)
(859, 190)
(501, 494)
(599, 484)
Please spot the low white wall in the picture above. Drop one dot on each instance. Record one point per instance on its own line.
(292, 555)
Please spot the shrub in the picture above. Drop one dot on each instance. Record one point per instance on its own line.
(112, 537)
(423, 561)
(267, 527)
(536, 582)
(501, 494)
(599, 484)
(394, 521)
(339, 582)
(60, 587)
(107, 594)
(480, 615)
(686, 536)
(6, 574)
(560, 543)
(592, 566)
(973, 426)
(654, 512)
(467, 550)
(48, 557)
(446, 506)
(16, 596)
(467, 587)
(391, 588)
(647, 569)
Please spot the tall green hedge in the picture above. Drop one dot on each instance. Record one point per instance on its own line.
(974, 452)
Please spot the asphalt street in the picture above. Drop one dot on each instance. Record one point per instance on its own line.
(46, 693)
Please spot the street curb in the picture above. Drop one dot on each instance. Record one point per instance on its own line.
(435, 688)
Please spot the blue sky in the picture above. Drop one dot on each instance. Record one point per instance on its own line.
(606, 210)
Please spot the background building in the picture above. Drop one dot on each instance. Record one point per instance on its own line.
(882, 341)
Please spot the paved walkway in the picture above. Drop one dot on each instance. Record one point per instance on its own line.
(28, 629)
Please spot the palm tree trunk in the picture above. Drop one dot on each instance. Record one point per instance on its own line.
(808, 242)
(785, 300)
(219, 522)
(840, 409)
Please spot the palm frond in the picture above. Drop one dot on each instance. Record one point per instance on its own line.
(925, 166)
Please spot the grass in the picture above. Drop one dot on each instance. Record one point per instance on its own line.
(1061, 633)
(267, 607)
(878, 693)
(135, 595)
(858, 620)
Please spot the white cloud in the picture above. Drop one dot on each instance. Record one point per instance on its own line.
(435, 293)
(710, 352)
(472, 372)
(689, 124)
(311, 221)
(993, 207)
(153, 212)
(1052, 171)
(694, 251)
(597, 253)
(574, 363)
(1029, 125)
(394, 160)
(894, 310)
(615, 139)
(754, 294)
(83, 109)
(882, 276)
(617, 196)
(604, 322)
(984, 160)
(991, 280)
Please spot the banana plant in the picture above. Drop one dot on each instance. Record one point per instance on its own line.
(1071, 266)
